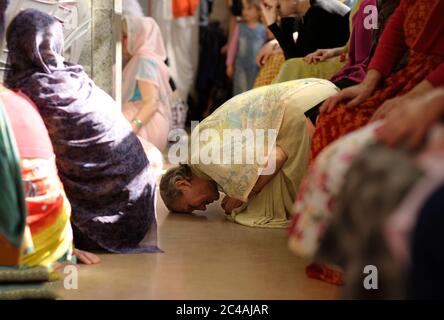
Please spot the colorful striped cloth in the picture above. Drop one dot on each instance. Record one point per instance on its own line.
(49, 214)
(15, 282)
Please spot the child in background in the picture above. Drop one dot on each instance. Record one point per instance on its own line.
(248, 38)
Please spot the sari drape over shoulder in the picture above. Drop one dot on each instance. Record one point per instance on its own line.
(102, 164)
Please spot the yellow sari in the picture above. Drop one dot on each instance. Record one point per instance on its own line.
(279, 108)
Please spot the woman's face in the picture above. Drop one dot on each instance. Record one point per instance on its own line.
(289, 7)
(250, 13)
(196, 195)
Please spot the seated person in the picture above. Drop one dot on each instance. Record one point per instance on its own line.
(385, 86)
(320, 24)
(407, 126)
(326, 63)
(146, 90)
(101, 162)
(394, 219)
(48, 209)
(36, 201)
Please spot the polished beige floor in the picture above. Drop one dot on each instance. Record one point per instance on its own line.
(205, 257)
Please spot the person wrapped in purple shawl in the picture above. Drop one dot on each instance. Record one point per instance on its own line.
(101, 163)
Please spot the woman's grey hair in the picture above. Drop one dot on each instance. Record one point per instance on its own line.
(168, 190)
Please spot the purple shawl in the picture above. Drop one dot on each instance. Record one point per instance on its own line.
(359, 48)
(101, 163)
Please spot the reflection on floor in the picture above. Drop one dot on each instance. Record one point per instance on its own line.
(205, 257)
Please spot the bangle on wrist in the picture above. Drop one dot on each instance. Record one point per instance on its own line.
(137, 122)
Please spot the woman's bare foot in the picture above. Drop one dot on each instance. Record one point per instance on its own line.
(86, 257)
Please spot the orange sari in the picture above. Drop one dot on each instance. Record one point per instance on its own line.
(422, 33)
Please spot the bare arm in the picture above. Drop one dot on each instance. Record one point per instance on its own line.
(281, 158)
(148, 105)
(397, 102)
(229, 204)
(410, 123)
(421, 88)
(324, 54)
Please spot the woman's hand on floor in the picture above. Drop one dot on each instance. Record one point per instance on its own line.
(229, 204)
(86, 257)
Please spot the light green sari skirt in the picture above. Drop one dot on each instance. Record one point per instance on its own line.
(297, 68)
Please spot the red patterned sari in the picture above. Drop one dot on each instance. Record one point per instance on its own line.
(416, 26)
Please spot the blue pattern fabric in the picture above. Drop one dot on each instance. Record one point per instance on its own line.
(246, 69)
(137, 95)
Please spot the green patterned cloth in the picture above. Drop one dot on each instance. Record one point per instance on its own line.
(16, 275)
(12, 198)
(297, 68)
